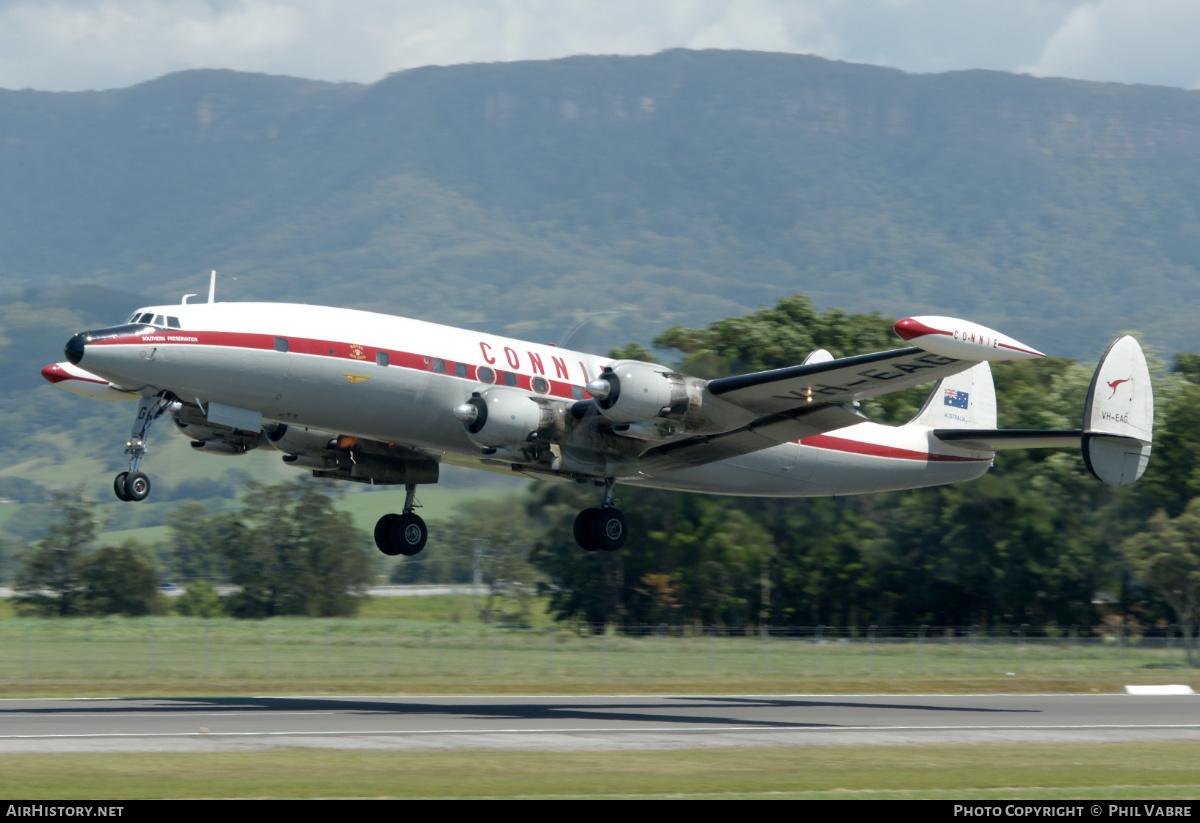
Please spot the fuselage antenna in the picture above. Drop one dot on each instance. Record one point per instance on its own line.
(212, 287)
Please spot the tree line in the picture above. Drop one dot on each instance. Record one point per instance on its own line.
(1036, 541)
(288, 551)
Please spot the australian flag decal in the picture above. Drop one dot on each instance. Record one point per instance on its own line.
(957, 399)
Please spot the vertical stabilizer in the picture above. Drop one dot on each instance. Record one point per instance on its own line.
(1118, 417)
(966, 400)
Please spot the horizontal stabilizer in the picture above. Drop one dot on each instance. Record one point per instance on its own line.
(1118, 416)
(1000, 439)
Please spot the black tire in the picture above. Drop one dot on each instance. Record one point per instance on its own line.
(383, 535)
(583, 529)
(137, 486)
(408, 534)
(119, 487)
(609, 529)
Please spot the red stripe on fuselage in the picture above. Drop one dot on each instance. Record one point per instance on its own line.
(340, 351)
(841, 444)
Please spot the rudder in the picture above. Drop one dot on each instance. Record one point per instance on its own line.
(1118, 416)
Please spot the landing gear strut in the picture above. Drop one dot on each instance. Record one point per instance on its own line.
(133, 486)
(602, 529)
(404, 533)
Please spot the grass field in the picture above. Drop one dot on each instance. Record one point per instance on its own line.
(1024, 771)
(407, 645)
(435, 645)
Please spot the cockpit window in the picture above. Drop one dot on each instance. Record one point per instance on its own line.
(145, 318)
(159, 320)
(173, 323)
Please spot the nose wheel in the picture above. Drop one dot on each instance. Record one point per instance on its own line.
(603, 529)
(133, 486)
(404, 533)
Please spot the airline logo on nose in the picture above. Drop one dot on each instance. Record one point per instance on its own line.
(355, 378)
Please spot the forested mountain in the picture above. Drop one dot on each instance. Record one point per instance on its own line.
(643, 192)
(675, 188)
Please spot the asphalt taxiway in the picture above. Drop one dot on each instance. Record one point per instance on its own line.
(585, 723)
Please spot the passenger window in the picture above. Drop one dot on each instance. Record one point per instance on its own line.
(173, 322)
(460, 369)
(510, 379)
(540, 385)
(577, 392)
(439, 365)
(486, 375)
(281, 344)
(381, 358)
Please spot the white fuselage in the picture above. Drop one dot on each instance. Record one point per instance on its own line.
(396, 380)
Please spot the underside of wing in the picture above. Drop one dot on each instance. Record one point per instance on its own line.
(762, 434)
(800, 401)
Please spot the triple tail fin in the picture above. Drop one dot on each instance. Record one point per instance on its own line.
(1118, 419)
(964, 402)
(1118, 415)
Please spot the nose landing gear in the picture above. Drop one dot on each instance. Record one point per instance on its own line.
(602, 529)
(133, 486)
(404, 533)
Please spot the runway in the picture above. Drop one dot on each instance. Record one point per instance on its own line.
(585, 723)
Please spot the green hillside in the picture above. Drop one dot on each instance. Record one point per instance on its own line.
(676, 188)
(632, 193)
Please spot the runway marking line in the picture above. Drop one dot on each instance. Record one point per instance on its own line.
(665, 729)
(580, 696)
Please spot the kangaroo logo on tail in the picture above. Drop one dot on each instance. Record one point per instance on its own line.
(1113, 385)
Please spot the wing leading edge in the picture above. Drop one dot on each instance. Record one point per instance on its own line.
(844, 380)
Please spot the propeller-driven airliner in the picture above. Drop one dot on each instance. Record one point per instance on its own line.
(377, 399)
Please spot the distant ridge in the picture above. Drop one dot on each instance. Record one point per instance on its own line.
(674, 188)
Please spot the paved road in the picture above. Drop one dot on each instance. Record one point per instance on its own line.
(585, 723)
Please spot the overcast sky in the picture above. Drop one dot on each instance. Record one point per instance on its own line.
(67, 45)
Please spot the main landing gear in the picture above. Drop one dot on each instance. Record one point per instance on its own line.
(403, 533)
(602, 529)
(133, 486)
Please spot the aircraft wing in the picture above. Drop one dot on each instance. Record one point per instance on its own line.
(761, 434)
(836, 381)
(801, 401)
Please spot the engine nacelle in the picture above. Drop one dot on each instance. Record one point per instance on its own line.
(298, 440)
(228, 446)
(209, 438)
(503, 417)
(320, 461)
(630, 390)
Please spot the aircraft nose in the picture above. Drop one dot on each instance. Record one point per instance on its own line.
(74, 349)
